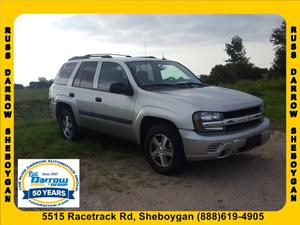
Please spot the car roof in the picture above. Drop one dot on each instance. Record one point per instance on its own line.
(113, 58)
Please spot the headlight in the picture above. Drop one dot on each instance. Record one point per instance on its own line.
(200, 118)
(210, 116)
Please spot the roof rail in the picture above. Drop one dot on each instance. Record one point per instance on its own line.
(104, 55)
(147, 57)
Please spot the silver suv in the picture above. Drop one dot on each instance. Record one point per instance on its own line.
(159, 104)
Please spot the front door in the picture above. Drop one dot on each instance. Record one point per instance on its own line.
(113, 111)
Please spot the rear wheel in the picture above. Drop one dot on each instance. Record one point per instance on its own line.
(68, 126)
(164, 150)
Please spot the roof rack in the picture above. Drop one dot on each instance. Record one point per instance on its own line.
(105, 55)
(147, 57)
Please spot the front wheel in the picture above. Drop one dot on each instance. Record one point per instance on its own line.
(68, 126)
(164, 149)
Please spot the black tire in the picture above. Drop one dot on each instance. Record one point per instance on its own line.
(156, 155)
(73, 131)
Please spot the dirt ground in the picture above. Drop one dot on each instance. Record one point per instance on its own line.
(251, 181)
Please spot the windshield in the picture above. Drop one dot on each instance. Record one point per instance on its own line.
(162, 74)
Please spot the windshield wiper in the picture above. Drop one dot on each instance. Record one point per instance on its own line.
(159, 85)
(191, 84)
(177, 85)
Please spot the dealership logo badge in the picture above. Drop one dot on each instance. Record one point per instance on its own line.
(48, 183)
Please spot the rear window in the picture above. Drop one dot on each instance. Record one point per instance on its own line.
(65, 73)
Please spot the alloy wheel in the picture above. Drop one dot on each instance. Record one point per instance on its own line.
(161, 150)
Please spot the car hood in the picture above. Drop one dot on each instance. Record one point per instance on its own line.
(212, 98)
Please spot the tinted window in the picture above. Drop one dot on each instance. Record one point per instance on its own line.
(77, 79)
(88, 74)
(65, 73)
(111, 73)
(85, 75)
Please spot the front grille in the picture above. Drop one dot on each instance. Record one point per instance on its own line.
(241, 112)
(237, 120)
(241, 126)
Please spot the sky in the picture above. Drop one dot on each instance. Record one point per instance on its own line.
(43, 42)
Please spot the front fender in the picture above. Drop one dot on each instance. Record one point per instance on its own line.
(161, 113)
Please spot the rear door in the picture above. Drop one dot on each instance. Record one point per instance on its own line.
(82, 90)
(113, 111)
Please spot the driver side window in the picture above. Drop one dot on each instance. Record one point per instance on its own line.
(111, 73)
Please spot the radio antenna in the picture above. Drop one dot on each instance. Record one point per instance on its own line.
(145, 47)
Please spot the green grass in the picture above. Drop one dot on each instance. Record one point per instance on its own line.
(37, 134)
(28, 94)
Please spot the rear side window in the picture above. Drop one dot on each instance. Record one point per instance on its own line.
(65, 73)
(85, 75)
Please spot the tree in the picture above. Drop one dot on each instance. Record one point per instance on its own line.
(222, 74)
(18, 86)
(236, 51)
(278, 39)
(41, 83)
(238, 66)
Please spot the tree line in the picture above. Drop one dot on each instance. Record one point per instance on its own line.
(42, 82)
(238, 66)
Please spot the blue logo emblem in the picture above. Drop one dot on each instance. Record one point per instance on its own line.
(48, 183)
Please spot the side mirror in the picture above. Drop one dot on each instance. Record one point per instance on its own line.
(121, 88)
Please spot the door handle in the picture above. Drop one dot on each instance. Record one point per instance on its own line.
(71, 94)
(98, 99)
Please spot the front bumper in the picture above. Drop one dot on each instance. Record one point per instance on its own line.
(202, 147)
